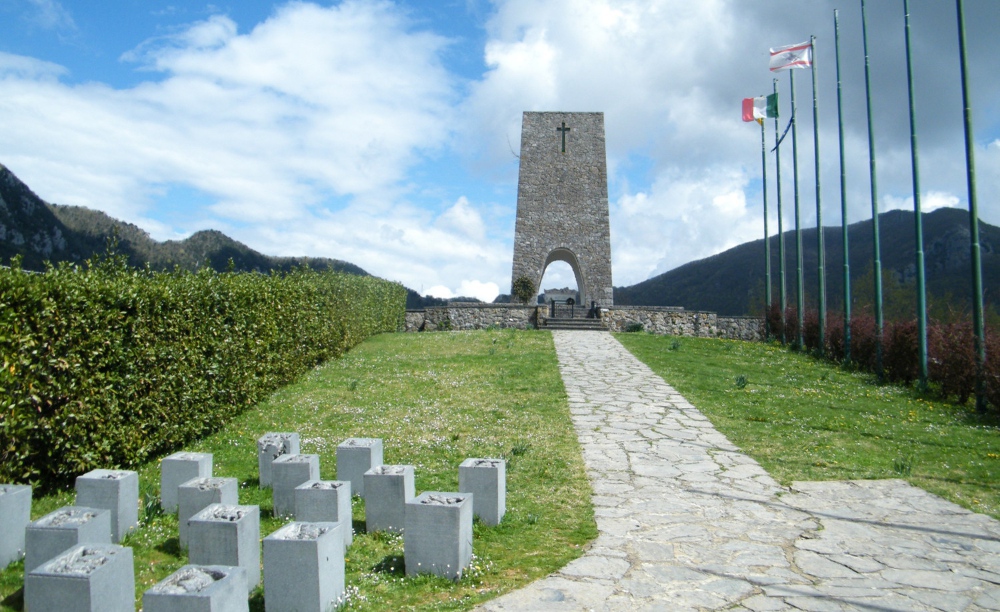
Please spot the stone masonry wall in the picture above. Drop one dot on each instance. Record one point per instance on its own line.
(667, 321)
(472, 316)
(680, 322)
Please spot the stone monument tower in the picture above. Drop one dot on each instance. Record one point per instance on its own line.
(562, 202)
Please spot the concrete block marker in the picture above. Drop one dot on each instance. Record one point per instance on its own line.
(270, 446)
(224, 534)
(86, 578)
(177, 469)
(199, 588)
(115, 490)
(438, 535)
(387, 489)
(62, 529)
(15, 514)
(355, 456)
(486, 479)
(288, 472)
(304, 568)
(325, 501)
(199, 493)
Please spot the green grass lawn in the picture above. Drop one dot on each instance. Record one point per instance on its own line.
(804, 419)
(435, 400)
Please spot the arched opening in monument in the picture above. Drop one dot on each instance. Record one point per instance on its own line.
(561, 279)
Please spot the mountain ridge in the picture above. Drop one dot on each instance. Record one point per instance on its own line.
(732, 282)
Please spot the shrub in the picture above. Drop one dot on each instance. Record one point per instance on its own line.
(993, 368)
(835, 347)
(810, 329)
(791, 325)
(901, 351)
(951, 359)
(772, 319)
(634, 327)
(523, 289)
(863, 341)
(107, 366)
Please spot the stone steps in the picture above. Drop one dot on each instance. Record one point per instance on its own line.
(574, 324)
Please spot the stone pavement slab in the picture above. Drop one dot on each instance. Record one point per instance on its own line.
(688, 522)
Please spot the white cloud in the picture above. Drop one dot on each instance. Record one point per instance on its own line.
(312, 103)
(325, 130)
(51, 15)
(485, 292)
(683, 217)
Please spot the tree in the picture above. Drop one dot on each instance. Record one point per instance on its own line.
(523, 289)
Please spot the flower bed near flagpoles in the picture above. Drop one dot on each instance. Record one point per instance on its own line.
(950, 350)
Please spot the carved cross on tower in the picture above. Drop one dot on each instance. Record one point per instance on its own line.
(563, 129)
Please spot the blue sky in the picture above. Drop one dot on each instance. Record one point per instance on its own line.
(385, 133)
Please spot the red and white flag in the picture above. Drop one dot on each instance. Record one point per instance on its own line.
(792, 56)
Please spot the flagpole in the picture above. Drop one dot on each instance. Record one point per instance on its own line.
(767, 238)
(977, 270)
(877, 262)
(820, 248)
(800, 297)
(917, 214)
(781, 231)
(843, 197)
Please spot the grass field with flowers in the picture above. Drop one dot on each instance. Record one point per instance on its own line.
(805, 419)
(435, 400)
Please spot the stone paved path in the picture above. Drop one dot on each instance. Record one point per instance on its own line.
(688, 522)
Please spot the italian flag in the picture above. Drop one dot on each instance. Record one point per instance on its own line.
(760, 107)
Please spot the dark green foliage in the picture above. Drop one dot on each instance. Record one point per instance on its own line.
(634, 327)
(523, 289)
(108, 365)
(731, 283)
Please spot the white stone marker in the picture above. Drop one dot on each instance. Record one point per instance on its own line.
(199, 588)
(177, 469)
(85, 578)
(62, 529)
(270, 446)
(304, 568)
(199, 493)
(325, 501)
(355, 456)
(227, 535)
(15, 514)
(388, 488)
(438, 535)
(486, 479)
(288, 472)
(116, 490)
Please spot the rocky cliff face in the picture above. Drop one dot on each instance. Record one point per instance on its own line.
(27, 225)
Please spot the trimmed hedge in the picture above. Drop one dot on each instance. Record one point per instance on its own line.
(109, 366)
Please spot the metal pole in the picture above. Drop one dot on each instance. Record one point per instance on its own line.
(781, 232)
(877, 262)
(800, 296)
(977, 267)
(820, 248)
(843, 198)
(767, 238)
(917, 215)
